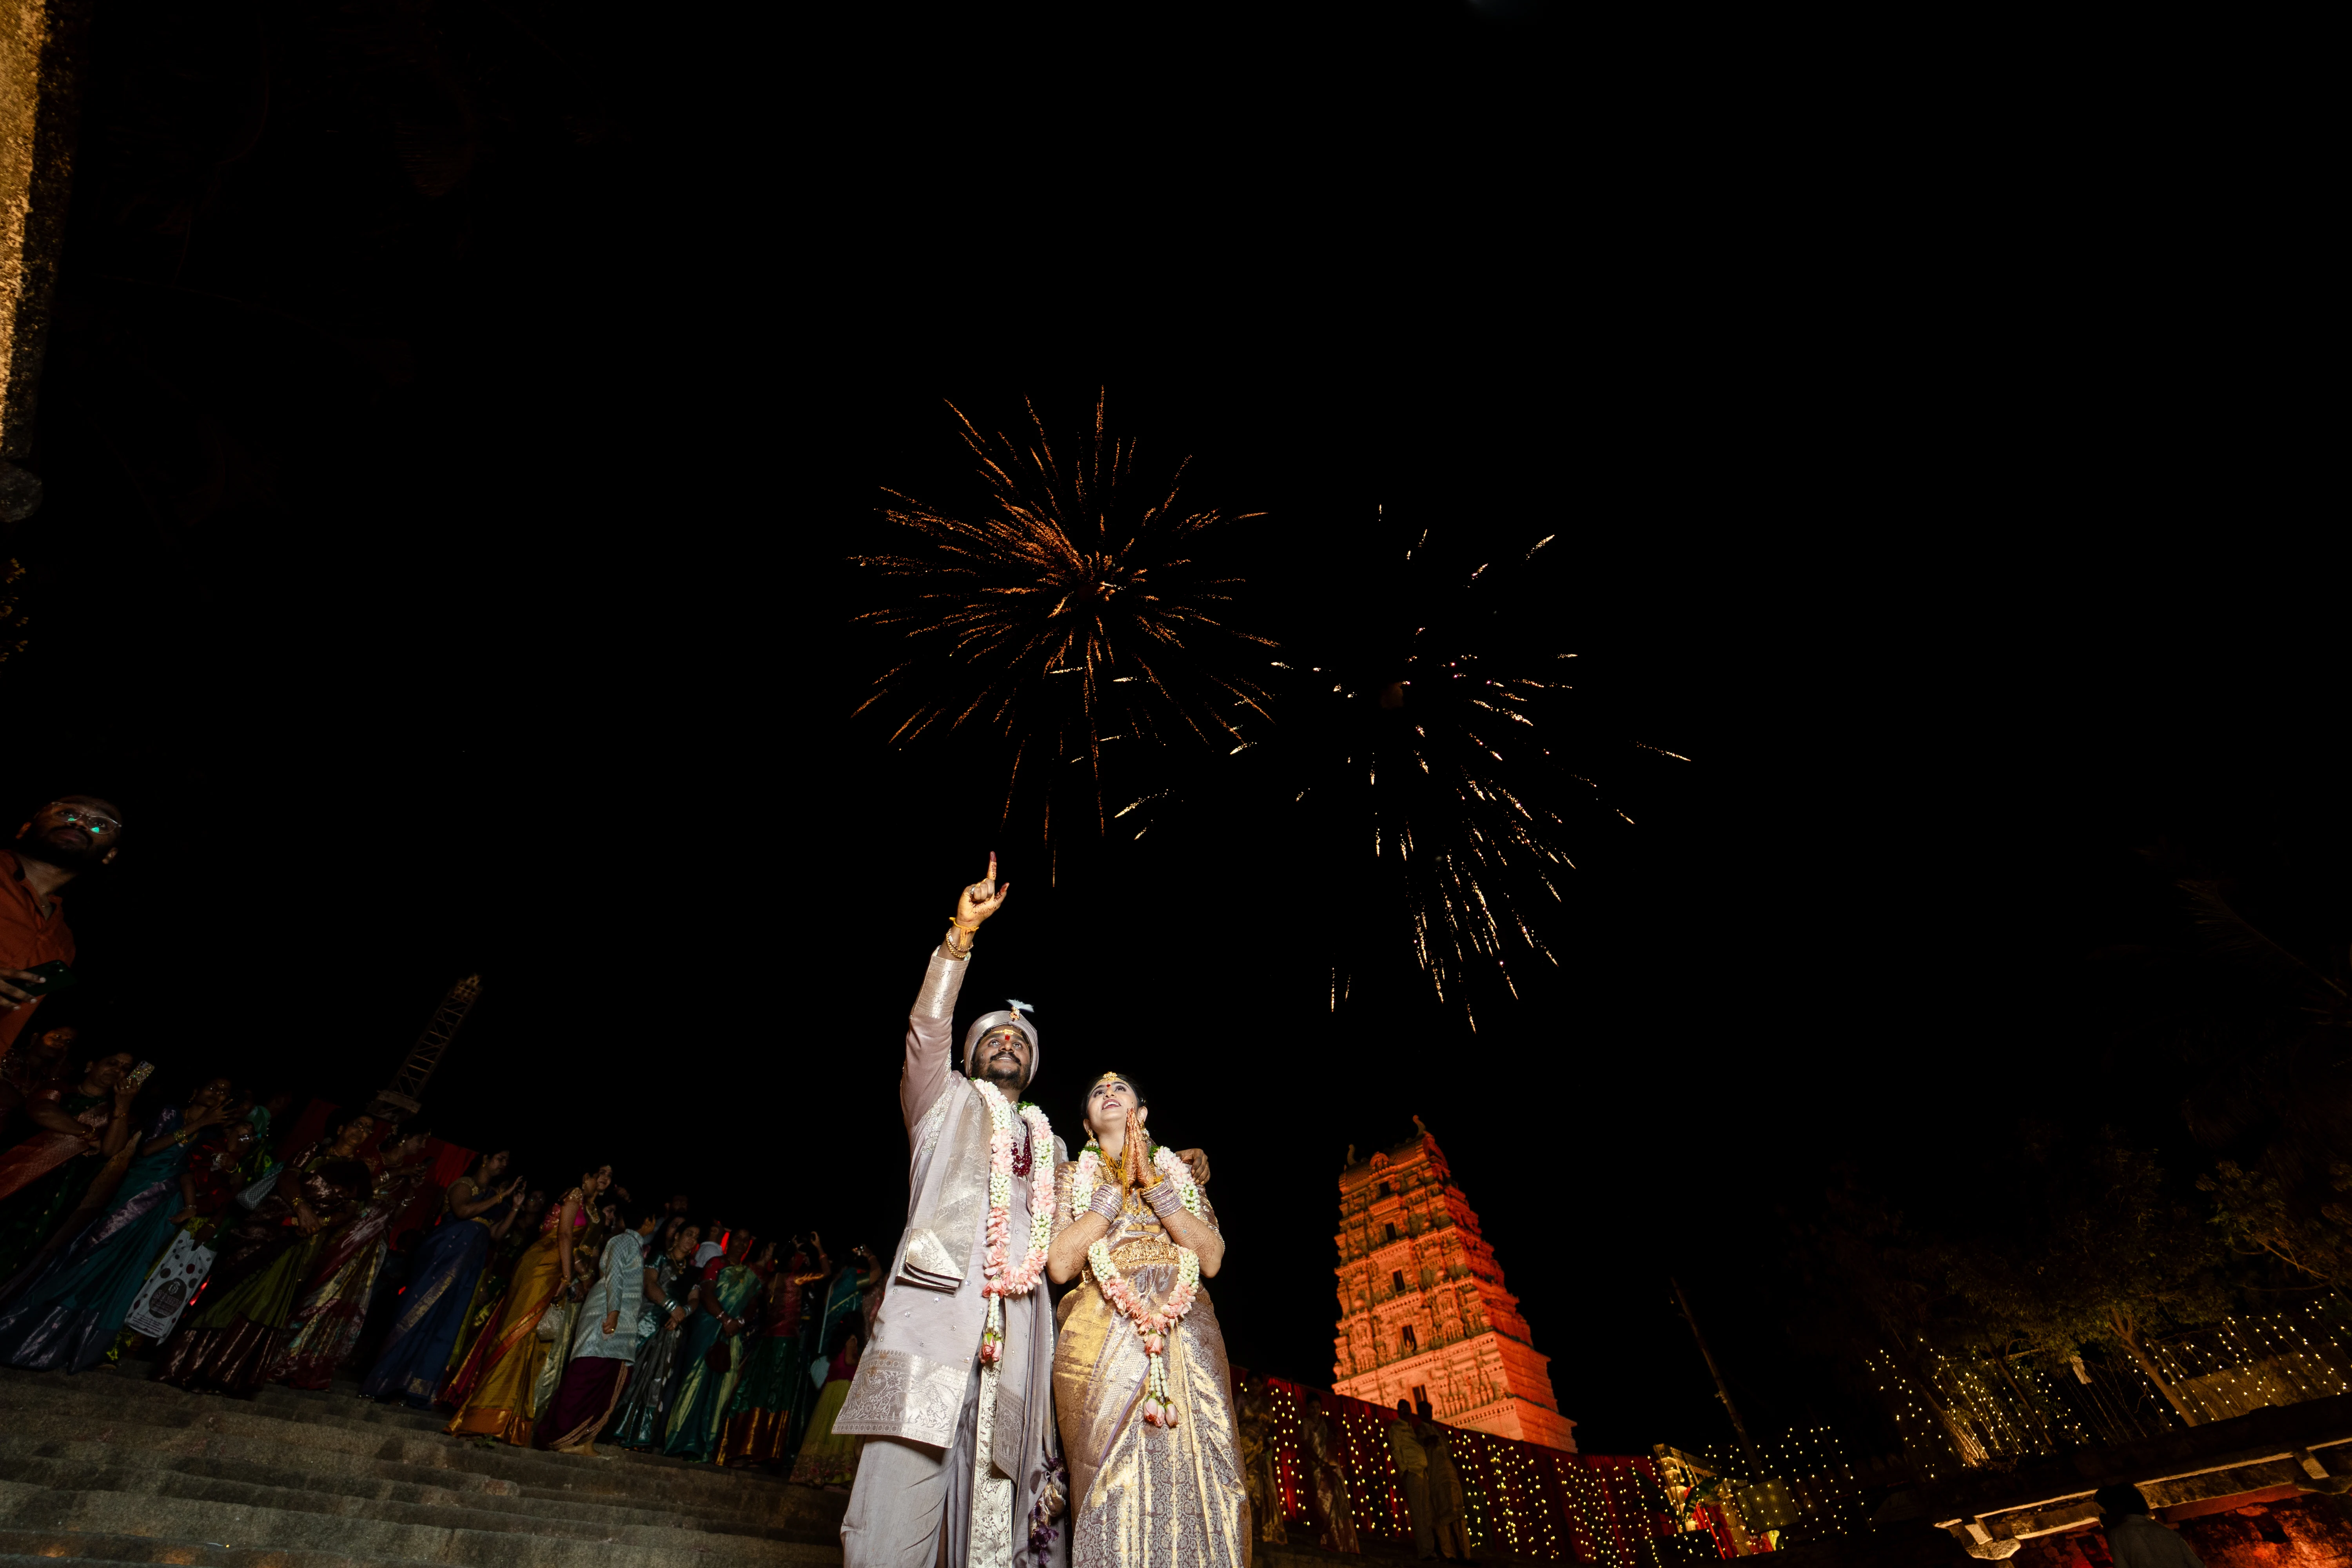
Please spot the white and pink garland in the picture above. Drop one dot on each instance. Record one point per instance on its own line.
(1154, 1323)
(1005, 1278)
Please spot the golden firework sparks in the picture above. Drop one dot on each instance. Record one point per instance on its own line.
(1066, 613)
(1450, 756)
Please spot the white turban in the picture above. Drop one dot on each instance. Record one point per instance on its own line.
(1014, 1016)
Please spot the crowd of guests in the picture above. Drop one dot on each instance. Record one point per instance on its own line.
(231, 1251)
(227, 1251)
(539, 1320)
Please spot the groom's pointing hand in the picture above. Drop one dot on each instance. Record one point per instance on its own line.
(980, 900)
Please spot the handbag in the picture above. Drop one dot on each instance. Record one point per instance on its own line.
(251, 1197)
(719, 1356)
(550, 1322)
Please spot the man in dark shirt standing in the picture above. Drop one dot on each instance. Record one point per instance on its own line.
(70, 835)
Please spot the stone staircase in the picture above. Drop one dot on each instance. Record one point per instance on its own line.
(110, 1468)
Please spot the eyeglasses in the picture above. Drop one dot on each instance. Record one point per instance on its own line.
(81, 816)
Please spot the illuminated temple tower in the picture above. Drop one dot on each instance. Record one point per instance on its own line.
(1423, 1311)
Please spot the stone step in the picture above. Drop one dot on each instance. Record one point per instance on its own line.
(76, 1466)
(305, 1496)
(68, 1410)
(249, 1521)
(436, 1462)
(110, 1467)
(343, 1406)
(19, 1546)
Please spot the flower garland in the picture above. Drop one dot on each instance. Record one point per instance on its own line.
(1154, 1323)
(1006, 1277)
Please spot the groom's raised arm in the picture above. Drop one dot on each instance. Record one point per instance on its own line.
(930, 1024)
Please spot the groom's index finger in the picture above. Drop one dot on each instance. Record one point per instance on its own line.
(992, 869)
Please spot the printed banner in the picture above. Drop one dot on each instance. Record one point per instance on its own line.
(165, 1295)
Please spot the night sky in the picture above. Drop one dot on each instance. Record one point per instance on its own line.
(470, 592)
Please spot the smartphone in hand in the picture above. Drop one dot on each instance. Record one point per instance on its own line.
(51, 977)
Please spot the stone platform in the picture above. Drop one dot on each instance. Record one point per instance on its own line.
(110, 1468)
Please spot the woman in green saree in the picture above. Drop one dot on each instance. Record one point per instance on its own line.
(759, 1416)
(711, 1352)
(643, 1420)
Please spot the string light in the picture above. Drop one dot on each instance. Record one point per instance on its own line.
(2022, 1406)
(1951, 1409)
(1524, 1499)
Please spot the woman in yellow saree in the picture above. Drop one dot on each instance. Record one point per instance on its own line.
(494, 1389)
(1142, 1393)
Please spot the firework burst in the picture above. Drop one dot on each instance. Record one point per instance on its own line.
(1441, 757)
(1068, 614)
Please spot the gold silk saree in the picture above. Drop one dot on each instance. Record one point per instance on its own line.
(497, 1385)
(1144, 1496)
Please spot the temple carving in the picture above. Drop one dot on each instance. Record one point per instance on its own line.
(1422, 1311)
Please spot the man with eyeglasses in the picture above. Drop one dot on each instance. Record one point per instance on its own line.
(70, 835)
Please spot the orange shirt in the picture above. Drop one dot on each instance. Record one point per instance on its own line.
(26, 939)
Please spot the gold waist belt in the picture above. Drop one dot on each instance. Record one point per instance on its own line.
(1143, 1250)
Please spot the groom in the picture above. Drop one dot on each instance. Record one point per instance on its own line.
(939, 1459)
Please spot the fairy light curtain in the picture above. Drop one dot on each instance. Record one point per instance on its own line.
(1978, 1413)
(1525, 1500)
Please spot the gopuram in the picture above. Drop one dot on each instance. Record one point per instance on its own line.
(1423, 1311)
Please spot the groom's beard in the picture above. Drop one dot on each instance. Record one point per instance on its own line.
(1009, 1071)
(76, 857)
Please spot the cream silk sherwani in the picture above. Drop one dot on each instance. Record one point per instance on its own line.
(939, 1460)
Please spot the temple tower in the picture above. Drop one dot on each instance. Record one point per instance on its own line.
(1423, 1311)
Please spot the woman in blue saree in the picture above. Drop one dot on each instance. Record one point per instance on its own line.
(440, 1287)
(62, 1315)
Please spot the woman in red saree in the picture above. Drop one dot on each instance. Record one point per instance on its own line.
(333, 1305)
(234, 1332)
(40, 1061)
(42, 1178)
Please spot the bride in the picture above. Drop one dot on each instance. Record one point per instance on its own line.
(1141, 1391)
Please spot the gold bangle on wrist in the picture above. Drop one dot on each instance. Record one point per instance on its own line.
(953, 951)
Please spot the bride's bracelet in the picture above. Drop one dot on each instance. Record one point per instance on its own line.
(1107, 1202)
(1164, 1198)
